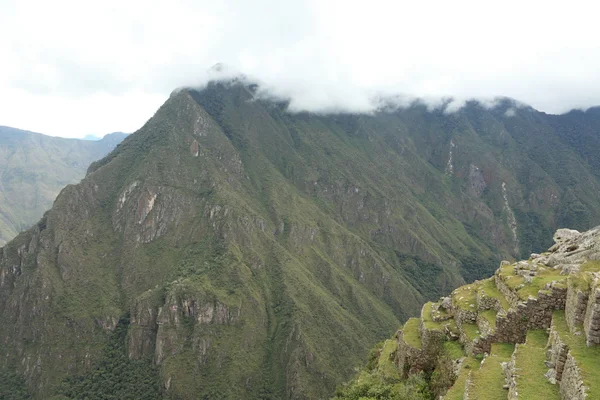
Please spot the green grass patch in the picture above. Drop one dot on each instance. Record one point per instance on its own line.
(454, 349)
(426, 314)
(452, 327)
(457, 391)
(539, 281)
(529, 361)
(488, 381)
(590, 266)
(581, 281)
(587, 358)
(386, 366)
(412, 337)
(465, 297)
(490, 290)
(503, 350)
(471, 330)
(523, 289)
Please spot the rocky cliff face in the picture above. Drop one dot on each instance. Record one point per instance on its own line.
(529, 332)
(251, 253)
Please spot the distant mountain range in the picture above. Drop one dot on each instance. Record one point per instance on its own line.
(33, 170)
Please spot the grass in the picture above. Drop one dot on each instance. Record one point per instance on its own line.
(411, 333)
(452, 327)
(426, 315)
(457, 391)
(385, 365)
(488, 381)
(490, 290)
(490, 316)
(587, 358)
(583, 280)
(530, 366)
(523, 289)
(454, 349)
(590, 266)
(465, 297)
(471, 330)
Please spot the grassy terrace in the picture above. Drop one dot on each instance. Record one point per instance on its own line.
(465, 297)
(427, 317)
(584, 278)
(488, 381)
(587, 358)
(385, 365)
(490, 316)
(490, 290)
(456, 392)
(454, 349)
(451, 325)
(524, 290)
(411, 333)
(471, 330)
(530, 358)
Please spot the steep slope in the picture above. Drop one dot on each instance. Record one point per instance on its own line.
(33, 170)
(252, 253)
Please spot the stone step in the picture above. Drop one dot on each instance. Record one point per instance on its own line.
(487, 382)
(527, 369)
(581, 364)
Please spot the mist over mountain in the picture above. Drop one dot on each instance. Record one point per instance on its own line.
(233, 249)
(33, 170)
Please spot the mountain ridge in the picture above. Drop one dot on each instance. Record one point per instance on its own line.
(237, 238)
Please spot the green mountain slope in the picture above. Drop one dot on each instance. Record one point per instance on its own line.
(252, 253)
(33, 170)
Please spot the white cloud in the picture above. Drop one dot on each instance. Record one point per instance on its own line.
(72, 68)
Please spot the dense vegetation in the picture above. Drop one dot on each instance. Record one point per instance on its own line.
(380, 380)
(13, 386)
(115, 376)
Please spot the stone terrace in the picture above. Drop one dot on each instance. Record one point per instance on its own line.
(529, 332)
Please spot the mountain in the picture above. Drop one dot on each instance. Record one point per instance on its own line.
(231, 249)
(34, 168)
(531, 332)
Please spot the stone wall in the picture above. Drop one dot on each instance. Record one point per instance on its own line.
(408, 359)
(462, 316)
(531, 314)
(556, 356)
(485, 302)
(485, 328)
(576, 306)
(510, 295)
(510, 375)
(571, 384)
(591, 323)
(431, 340)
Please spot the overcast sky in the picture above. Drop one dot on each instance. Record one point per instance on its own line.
(72, 68)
